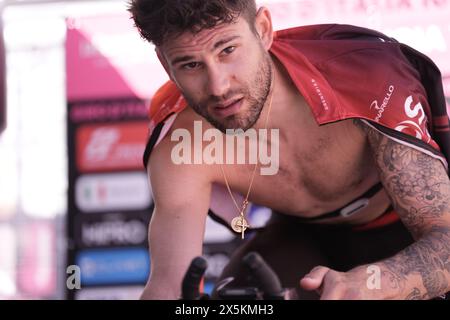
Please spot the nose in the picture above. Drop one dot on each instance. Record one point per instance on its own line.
(218, 81)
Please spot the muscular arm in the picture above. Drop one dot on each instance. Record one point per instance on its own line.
(419, 188)
(181, 194)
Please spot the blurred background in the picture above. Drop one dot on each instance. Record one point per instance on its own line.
(75, 83)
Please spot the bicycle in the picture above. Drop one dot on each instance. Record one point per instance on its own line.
(269, 284)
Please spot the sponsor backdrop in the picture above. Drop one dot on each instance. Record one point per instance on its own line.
(110, 201)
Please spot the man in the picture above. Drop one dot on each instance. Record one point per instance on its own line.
(351, 113)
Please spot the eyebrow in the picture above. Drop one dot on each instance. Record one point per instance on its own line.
(216, 45)
(224, 41)
(182, 59)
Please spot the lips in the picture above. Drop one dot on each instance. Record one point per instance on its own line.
(228, 108)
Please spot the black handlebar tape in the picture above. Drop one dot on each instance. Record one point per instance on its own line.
(268, 281)
(192, 279)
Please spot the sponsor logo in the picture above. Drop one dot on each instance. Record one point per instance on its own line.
(112, 230)
(110, 147)
(120, 191)
(104, 111)
(381, 108)
(418, 127)
(319, 93)
(113, 266)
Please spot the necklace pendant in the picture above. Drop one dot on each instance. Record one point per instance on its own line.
(239, 225)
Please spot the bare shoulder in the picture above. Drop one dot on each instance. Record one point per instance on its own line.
(164, 164)
(186, 122)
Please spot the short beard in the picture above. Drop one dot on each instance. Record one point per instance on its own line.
(255, 98)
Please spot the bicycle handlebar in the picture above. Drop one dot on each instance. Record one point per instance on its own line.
(270, 284)
(270, 287)
(192, 279)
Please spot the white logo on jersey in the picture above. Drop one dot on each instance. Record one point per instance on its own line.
(409, 124)
(384, 105)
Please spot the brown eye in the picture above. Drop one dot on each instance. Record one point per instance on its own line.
(190, 65)
(229, 50)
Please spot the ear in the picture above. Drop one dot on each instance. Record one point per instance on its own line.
(164, 62)
(264, 27)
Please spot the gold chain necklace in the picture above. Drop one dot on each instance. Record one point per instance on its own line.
(239, 224)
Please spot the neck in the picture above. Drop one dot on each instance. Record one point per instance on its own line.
(284, 95)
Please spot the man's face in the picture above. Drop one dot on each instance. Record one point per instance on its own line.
(224, 73)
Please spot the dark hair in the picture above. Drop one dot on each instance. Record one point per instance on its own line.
(158, 19)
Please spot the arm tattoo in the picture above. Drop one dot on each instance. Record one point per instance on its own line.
(419, 188)
(428, 257)
(414, 295)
